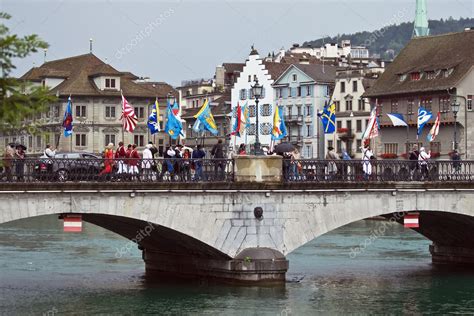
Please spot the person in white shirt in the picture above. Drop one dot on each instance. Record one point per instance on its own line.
(147, 162)
(49, 154)
(366, 165)
(423, 159)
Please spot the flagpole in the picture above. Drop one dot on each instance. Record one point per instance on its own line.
(123, 133)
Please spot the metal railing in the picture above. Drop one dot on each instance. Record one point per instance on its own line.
(308, 170)
(223, 170)
(115, 170)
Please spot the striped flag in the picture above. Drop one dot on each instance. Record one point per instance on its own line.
(72, 223)
(411, 220)
(372, 129)
(434, 130)
(129, 119)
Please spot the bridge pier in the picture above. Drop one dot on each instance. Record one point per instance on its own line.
(251, 266)
(451, 255)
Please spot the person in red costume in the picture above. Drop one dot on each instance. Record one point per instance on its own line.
(120, 155)
(108, 160)
(133, 161)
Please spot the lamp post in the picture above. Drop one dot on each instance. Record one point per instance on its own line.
(454, 98)
(455, 108)
(257, 93)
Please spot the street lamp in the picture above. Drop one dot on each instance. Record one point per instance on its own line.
(257, 93)
(455, 108)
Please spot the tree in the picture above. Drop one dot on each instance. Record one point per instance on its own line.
(19, 99)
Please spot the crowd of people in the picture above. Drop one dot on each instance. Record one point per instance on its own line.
(187, 164)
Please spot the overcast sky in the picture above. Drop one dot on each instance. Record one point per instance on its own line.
(177, 40)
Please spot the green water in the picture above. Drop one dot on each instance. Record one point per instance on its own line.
(44, 271)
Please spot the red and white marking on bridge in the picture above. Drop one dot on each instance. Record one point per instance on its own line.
(411, 220)
(72, 223)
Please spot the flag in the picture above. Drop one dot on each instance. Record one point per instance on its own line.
(72, 223)
(129, 119)
(411, 220)
(246, 115)
(423, 117)
(279, 128)
(435, 129)
(328, 117)
(173, 126)
(372, 129)
(153, 119)
(198, 127)
(397, 119)
(67, 121)
(239, 124)
(205, 116)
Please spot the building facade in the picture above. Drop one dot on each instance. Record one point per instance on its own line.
(303, 90)
(95, 89)
(352, 110)
(433, 72)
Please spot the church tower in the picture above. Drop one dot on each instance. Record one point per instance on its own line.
(421, 20)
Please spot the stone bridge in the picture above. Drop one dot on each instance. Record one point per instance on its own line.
(242, 230)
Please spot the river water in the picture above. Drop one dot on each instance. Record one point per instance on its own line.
(44, 271)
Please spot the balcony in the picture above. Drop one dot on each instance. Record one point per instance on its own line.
(295, 140)
(345, 134)
(294, 119)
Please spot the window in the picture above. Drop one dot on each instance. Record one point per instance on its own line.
(410, 104)
(354, 86)
(435, 147)
(30, 142)
(295, 77)
(243, 94)
(361, 105)
(309, 151)
(265, 128)
(338, 124)
(359, 145)
(139, 140)
(343, 87)
(426, 103)
(110, 112)
(81, 111)
(266, 110)
(293, 92)
(308, 91)
(348, 105)
(109, 138)
(81, 140)
(338, 146)
(161, 122)
(252, 111)
(380, 109)
(444, 104)
(359, 126)
(415, 76)
(298, 107)
(330, 143)
(250, 78)
(391, 148)
(285, 93)
(338, 106)
(251, 129)
(430, 75)
(349, 126)
(139, 112)
(54, 111)
(298, 91)
(309, 131)
(469, 102)
(394, 107)
(278, 93)
(309, 110)
(110, 83)
(38, 141)
(47, 139)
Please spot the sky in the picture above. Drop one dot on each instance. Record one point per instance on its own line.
(177, 40)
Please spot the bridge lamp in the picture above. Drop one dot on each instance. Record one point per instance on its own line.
(257, 91)
(455, 108)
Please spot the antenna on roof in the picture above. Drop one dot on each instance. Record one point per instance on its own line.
(90, 45)
(44, 58)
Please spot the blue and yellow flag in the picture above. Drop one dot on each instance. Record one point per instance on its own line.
(246, 115)
(154, 118)
(207, 120)
(328, 117)
(279, 128)
(67, 121)
(173, 124)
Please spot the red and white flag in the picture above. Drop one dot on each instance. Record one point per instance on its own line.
(129, 119)
(372, 129)
(411, 220)
(72, 223)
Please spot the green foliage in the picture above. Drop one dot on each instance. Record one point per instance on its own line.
(19, 99)
(388, 41)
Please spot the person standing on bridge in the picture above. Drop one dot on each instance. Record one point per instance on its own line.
(217, 153)
(331, 166)
(20, 162)
(120, 155)
(366, 164)
(7, 162)
(423, 159)
(147, 163)
(133, 162)
(108, 161)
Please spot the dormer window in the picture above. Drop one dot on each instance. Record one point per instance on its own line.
(430, 75)
(109, 83)
(415, 76)
(402, 77)
(448, 72)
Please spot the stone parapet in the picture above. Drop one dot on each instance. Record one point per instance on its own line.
(258, 168)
